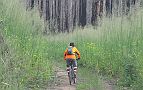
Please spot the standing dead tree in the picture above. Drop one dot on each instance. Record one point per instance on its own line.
(64, 15)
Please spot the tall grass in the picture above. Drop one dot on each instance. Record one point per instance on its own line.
(23, 57)
(114, 49)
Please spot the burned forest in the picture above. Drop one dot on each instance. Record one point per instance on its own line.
(65, 15)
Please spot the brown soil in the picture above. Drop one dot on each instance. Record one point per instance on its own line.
(61, 81)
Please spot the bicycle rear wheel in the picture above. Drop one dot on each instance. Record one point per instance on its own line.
(70, 76)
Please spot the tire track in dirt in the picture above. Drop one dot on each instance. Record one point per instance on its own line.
(61, 81)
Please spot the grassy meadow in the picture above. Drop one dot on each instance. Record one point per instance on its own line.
(113, 50)
(23, 56)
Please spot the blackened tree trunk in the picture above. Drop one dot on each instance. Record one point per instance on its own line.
(82, 13)
(64, 15)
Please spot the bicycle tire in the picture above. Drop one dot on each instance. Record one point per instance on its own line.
(70, 76)
(74, 79)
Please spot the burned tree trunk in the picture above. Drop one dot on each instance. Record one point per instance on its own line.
(40, 7)
(82, 13)
(108, 7)
(64, 15)
(97, 11)
(88, 11)
(30, 3)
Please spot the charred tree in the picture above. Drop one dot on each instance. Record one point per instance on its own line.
(82, 13)
(64, 15)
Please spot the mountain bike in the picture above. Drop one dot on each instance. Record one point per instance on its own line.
(71, 75)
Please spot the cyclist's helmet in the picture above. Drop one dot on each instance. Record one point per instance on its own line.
(72, 44)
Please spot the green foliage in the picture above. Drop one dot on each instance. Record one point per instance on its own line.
(114, 49)
(23, 54)
(88, 80)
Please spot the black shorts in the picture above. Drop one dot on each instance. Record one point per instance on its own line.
(68, 61)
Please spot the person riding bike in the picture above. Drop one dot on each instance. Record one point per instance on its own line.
(71, 54)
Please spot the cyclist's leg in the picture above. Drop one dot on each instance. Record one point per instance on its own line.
(68, 65)
(75, 66)
(75, 70)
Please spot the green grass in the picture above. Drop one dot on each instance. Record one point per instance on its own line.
(23, 62)
(113, 50)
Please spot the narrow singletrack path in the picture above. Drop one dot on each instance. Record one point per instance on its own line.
(107, 86)
(61, 81)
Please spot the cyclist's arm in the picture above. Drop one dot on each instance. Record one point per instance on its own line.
(65, 53)
(77, 52)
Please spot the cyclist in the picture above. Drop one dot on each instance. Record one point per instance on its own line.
(71, 54)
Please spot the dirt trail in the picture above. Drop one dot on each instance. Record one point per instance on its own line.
(61, 81)
(107, 85)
